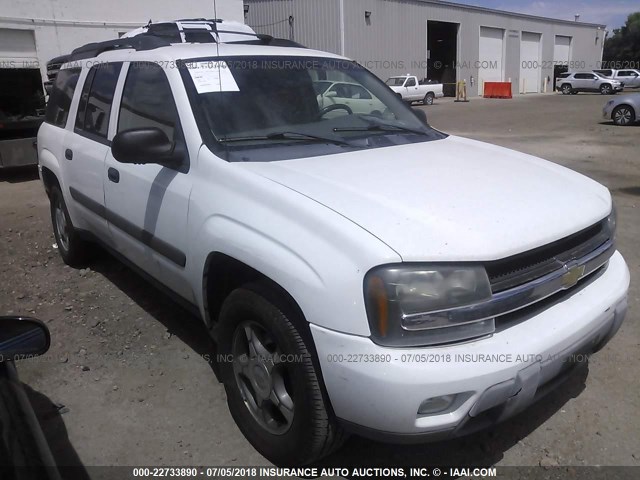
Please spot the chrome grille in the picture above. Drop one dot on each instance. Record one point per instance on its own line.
(524, 267)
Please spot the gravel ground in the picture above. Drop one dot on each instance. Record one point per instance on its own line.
(127, 381)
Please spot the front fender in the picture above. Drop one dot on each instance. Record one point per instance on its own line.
(319, 257)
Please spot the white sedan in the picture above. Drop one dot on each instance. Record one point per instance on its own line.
(356, 97)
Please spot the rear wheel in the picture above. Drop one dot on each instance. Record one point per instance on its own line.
(428, 99)
(606, 89)
(623, 115)
(73, 250)
(273, 391)
(566, 89)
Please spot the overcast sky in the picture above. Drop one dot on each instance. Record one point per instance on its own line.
(612, 13)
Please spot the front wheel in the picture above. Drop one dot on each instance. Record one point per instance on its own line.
(606, 89)
(428, 99)
(273, 391)
(73, 250)
(623, 115)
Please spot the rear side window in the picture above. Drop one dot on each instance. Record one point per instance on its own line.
(94, 108)
(61, 95)
(147, 100)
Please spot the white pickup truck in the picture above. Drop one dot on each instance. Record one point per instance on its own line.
(360, 272)
(411, 90)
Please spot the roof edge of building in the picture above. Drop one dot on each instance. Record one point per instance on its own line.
(512, 14)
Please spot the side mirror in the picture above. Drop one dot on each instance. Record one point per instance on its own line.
(422, 116)
(331, 94)
(22, 337)
(145, 145)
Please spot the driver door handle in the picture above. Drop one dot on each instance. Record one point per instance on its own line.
(113, 174)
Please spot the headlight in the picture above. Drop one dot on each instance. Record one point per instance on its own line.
(410, 304)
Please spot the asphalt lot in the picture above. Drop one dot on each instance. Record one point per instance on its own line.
(126, 381)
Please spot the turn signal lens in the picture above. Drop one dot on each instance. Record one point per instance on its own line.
(378, 298)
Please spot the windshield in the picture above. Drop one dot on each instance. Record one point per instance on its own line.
(263, 108)
(396, 81)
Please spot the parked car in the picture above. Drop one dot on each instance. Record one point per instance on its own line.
(24, 452)
(410, 90)
(349, 268)
(572, 83)
(354, 96)
(629, 77)
(623, 110)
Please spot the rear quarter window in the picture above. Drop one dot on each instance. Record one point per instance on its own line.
(61, 95)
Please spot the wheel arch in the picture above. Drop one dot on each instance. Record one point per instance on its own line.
(50, 170)
(49, 179)
(231, 273)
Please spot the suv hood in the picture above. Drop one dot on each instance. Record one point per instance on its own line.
(451, 199)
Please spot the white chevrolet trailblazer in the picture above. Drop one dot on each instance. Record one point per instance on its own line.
(360, 272)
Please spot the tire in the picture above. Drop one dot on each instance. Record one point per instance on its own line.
(606, 89)
(566, 89)
(623, 115)
(73, 250)
(428, 99)
(297, 428)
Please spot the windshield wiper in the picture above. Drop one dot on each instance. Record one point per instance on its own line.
(288, 136)
(379, 126)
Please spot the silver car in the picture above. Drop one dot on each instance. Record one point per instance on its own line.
(623, 110)
(572, 83)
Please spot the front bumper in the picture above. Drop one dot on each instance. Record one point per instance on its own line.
(377, 391)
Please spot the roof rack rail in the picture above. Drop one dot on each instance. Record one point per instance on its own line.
(163, 34)
(264, 39)
(139, 42)
(213, 20)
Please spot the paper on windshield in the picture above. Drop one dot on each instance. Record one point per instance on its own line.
(211, 77)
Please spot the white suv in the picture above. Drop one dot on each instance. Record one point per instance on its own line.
(360, 272)
(572, 83)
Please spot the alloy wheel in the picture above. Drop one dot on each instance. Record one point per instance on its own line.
(262, 377)
(61, 225)
(622, 116)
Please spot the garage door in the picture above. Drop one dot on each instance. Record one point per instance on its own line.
(17, 46)
(562, 50)
(490, 67)
(530, 64)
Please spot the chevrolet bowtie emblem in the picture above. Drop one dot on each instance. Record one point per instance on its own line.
(572, 276)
